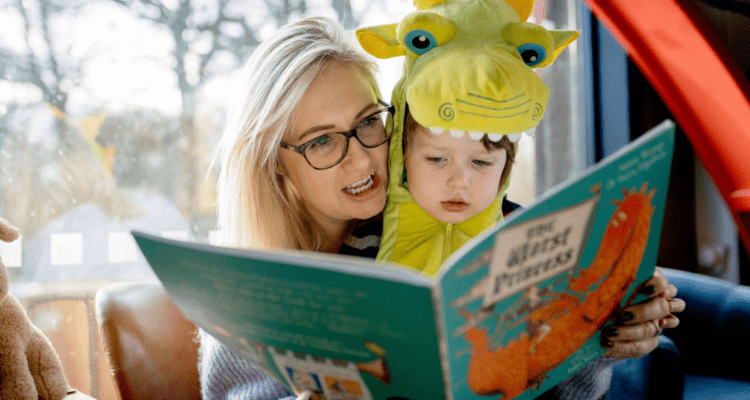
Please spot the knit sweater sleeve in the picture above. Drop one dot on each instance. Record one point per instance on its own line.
(590, 382)
(226, 375)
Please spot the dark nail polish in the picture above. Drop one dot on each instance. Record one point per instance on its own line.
(611, 331)
(607, 344)
(626, 316)
(648, 290)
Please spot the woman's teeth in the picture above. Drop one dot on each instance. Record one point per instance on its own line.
(361, 186)
(495, 137)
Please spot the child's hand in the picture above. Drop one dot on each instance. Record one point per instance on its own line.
(637, 328)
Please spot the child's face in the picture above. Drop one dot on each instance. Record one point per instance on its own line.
(452, 179)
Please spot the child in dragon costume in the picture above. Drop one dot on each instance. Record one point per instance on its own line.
(468, 75)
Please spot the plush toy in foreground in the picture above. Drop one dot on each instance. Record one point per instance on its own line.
(29, 366)
(468, 71)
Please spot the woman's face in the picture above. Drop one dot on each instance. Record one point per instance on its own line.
(338, 99)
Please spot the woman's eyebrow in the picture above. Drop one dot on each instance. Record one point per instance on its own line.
(330, 126)
(364, 110)
(316, 129)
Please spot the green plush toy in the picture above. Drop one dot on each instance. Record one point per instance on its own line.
(468, 74)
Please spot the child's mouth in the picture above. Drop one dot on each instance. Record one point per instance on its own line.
(454, 206)
(361, 186)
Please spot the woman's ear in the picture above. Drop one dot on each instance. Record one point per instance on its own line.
(280, 170)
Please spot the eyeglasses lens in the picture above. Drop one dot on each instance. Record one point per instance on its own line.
(328, 150)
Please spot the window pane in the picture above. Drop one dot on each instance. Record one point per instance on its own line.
(109, 111)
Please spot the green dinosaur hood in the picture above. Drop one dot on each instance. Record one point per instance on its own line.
(468, 69)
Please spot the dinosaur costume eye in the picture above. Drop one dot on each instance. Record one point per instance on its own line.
(420, 41)
(532, 53)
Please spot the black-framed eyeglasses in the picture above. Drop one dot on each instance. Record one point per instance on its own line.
(327, 151)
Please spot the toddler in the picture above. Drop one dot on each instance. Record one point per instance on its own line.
(457, 181)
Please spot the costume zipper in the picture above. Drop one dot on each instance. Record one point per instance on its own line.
(446, 245)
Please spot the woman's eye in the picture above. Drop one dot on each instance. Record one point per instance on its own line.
(482, 163)
(434, 159)
(420, 41)
(371, 120)
(320, 141)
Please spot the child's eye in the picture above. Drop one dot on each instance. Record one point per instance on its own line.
(482, 163)
(434, 159)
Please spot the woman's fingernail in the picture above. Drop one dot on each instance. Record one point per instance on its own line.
(626, 316)
(611, 331)
(607, 344)
(648, 290)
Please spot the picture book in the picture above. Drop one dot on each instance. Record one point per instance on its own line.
(510, 315)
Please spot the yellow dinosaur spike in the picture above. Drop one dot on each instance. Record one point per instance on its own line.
(425, 4)
(524, 8)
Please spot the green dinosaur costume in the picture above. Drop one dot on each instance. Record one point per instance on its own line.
(468, 70)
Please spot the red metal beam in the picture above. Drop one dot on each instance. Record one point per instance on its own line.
(676, 51)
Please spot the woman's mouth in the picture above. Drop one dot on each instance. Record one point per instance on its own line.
(454, 206)
(361, 186)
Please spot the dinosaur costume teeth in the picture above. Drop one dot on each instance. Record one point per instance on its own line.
(513, 137)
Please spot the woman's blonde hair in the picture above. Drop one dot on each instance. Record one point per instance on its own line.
(256, 207)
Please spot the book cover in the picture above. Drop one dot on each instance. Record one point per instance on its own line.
(511, 314)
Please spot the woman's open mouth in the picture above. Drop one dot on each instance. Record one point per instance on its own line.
(361, 186)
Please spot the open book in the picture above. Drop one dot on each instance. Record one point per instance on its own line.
(511, 314)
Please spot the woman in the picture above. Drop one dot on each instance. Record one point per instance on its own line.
(276, 190)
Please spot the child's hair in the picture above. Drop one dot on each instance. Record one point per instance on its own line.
(410, 128)
(257, 207)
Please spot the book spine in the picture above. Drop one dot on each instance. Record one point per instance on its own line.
(442, 340)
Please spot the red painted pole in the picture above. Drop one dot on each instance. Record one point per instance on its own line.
(703, 88)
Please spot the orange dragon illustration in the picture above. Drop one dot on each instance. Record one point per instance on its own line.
(573, 317)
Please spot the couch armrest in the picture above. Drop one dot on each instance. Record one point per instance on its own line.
(657, 375)
(713, 330)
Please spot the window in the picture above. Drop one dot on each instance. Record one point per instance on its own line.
(110, 110)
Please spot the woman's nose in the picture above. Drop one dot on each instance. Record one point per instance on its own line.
(356, 155)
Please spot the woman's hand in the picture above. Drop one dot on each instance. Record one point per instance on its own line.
(636, 330)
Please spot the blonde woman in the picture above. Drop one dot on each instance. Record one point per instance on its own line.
(303, 163)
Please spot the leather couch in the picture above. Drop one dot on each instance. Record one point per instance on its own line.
(705, 357)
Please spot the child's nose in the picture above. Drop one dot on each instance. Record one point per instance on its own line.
(459, 177)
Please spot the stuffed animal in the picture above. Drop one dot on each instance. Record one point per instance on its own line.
(29, 366)
(468, 70)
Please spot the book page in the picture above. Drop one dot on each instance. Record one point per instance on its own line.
(333, 331)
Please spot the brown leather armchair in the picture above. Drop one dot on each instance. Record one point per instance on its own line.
(151, 346)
